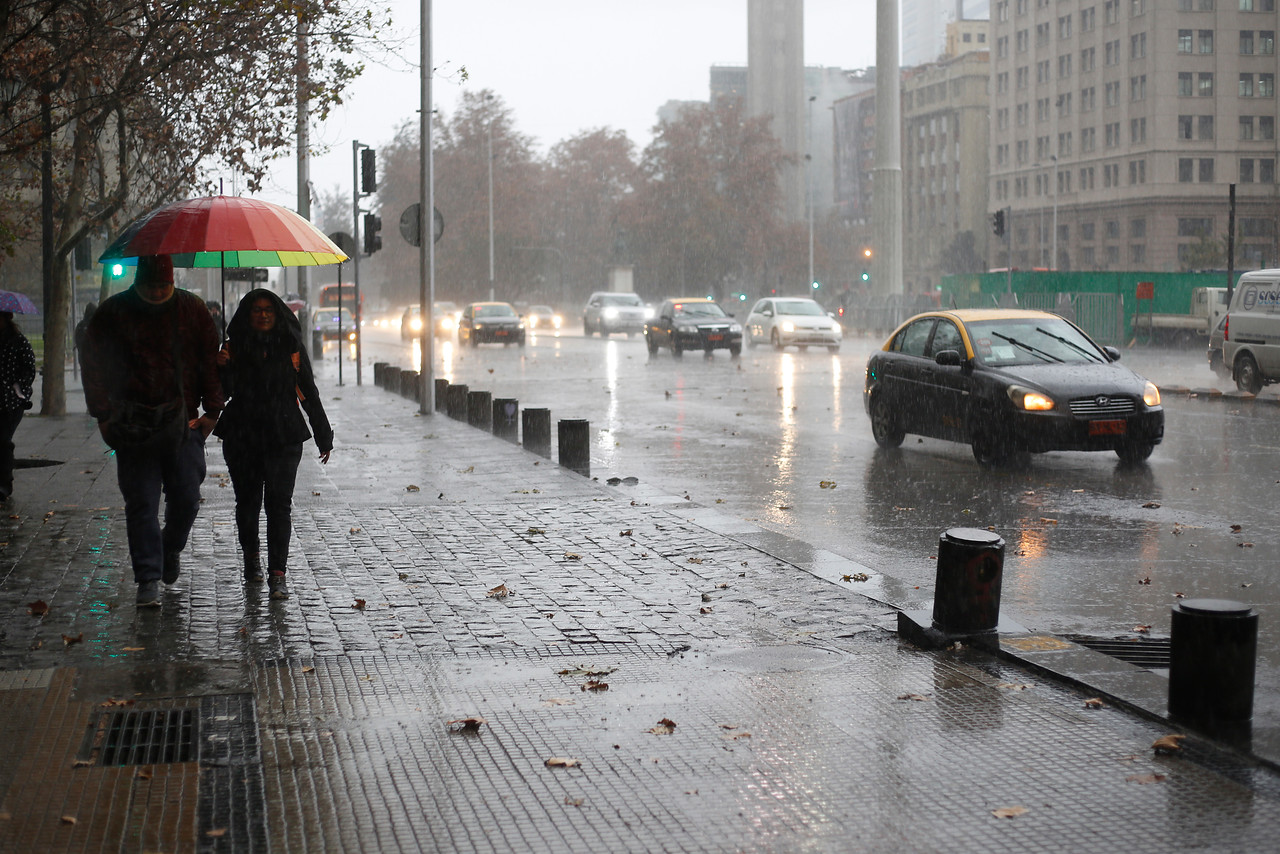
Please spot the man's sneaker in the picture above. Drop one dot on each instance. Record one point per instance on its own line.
(252, 568)
(149, 594)
(172, 566)
(278, 586)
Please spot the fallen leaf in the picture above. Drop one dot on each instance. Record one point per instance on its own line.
(112, 703)
(1013, 686)
(315, 493)
(595, 685)
(412, 488)
(917, 697)
(1010, 812)
(1142, 629)
(1143, 779)
(704, 610)
(572, 802)
(1178, 595)
(1247, 584)
(736, 735)
(307, 668)
(216, 832)
(68, 640)
(857, 576)
(68, 819)
(358, 605)
(82, 763)
(143, 773)
(133, 648)
(561, 762)
(499, 592)
(730, 726)
(403, 576)
(355, 530)
(468, 470)
(572, 556)
(1235, 529)
(536, 531)
(695, 560)
(1245, 545)
(625, 533)
(38, 608)
(826, 484)
(1152, 505)
(1045, 521)
(1168, 743)
(784, 506)
(586, 671)
(467, 725)
(666, 726)
(1146, 580)
(557, 701)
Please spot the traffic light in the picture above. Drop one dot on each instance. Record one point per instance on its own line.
(115, 270)
(372, 240)
(368, 171)
(866, 274)
(997, 223)
(817, 285)
(866, 253)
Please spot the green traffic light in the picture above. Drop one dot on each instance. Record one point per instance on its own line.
(817, 285)
(866, 277)
(117, 270)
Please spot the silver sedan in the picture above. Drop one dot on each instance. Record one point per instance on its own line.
(785, 321)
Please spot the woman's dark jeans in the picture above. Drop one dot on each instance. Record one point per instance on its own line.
(264, 475)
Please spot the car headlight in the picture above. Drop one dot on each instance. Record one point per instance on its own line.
(416, 324)
(649, 312)
(788, 326)
(520, 325)
(1029, 399)
(610, 313)
(448, 323)
(556, 320)
(1151, 394)
(735, 327)
(351, 336)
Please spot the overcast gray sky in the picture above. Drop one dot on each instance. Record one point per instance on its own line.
(564, 66)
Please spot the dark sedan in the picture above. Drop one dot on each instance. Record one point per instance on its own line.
(695, 323)
(490, 322)
(1009, 382)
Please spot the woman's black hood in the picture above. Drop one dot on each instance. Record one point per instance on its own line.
(287, 325)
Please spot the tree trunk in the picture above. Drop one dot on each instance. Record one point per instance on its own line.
(53, 391)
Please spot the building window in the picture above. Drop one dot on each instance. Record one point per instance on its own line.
(1205, 42)
(1086, 20)
(1087, 256)
(1113, 134)
(1137, 254)
(1064, 27)
(1002, 82)
(1137, 8)
(1002, 118)
(1064, 182)
(1267, 42)
(1185, 87)
(1088, 59)
(1087, 98)
(1113, 255)
(1111, 11)
(1246, 42)
(1195, 226)
(1020, 41)
(1246, 85)
(1111, 175)
(1246, 170)
(1253, 227)
(1138, 88)
(1064, 144)
(1024, 150)
(1246, 127)
(1064, 66)
(1138, 130)
(1113, 52)
(1138, 228)
(1204, 126)
(1112, 93)
(1138, 46)
(1022, 111)
(1206, 5)
(1267, 170)
(1002, 47)
(1184, 127)
(1186, 170)
(1112, 229)
(1266, 127)
(1088, 139)
(1204, 83)
(1206, 170)
(1137, 171)
(1086, 178)
(1184, 41)
(1042, 109)
(1042, 34)
(1002, 11)
(1266, 85)
(1064, 105)
(1023, 75)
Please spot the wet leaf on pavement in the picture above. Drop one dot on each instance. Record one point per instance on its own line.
(467, 725)
(625, 533)
(1013, 686)
(1094, 703)
(1152, 505)
(133, 648)
(82, 763)
(499, 592)
(412, 488)
(826, 484)
(857, 576)
(1143, 779)
(1245, 545)
(595, 685)
(355, 530)
(38, 608)
(216, 832)
(704, 610)
(557, 701)
(1142, 630)
(586, 671)
(1235, 529)
(68, 819)
(1171, 743)
(1046, 521)
(572, 556)
(561, 762)
(536, 531)
(358, 604)
(68, 640)
(1179, 595)
(1010, 812)
(307, 668)
(919, 698)
(666, 726)
(572, 802)
(1146, 580)
(695, 560)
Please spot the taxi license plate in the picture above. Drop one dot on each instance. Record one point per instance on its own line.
(715, 337)
(1106, 428)
(501, 332)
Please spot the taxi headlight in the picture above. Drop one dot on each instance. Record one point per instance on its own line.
(1030, 400)
(416, 324)
(735, 328)
(1151, 394)
(556, 320)
(788, 326)
(610, 313)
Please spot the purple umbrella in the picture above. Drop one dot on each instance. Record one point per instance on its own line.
(17, 303)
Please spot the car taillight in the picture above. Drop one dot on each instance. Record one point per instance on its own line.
(1226, 329)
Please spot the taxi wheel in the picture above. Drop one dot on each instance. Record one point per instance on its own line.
(884, 427)
(735, 352)
(776, 341)
(1134, 452)
(653, 345)
(990, 447)
(1247, 376)
(676, 349)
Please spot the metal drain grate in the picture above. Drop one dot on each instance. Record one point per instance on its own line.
(141, 737)
(1144, 652)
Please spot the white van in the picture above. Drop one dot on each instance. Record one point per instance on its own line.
(1251, 337)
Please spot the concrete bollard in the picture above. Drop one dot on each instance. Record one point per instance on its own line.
(391, 378)
(480, 409)
(378, 368)
(966, 597)
(456, 401)
(506, 418)
(535, 426)
(574, 438)
(442, 392)
(409, 384)
(1213, 647)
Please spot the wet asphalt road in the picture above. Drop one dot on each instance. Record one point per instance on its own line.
(781, 439)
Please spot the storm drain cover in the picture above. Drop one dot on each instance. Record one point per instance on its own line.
(1143, 652)
(141, 737)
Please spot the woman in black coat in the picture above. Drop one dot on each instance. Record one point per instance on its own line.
(17, 373)
(266, 375)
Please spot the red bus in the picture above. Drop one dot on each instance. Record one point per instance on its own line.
(330, 294)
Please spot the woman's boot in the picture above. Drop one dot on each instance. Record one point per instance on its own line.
(278, 586)
(252, 568)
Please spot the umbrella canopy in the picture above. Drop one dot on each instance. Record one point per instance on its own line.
(17, 303)
(225, 231)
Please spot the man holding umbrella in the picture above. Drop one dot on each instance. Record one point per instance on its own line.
(147, 347)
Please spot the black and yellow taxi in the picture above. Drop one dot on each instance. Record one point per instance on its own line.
(1009, 381)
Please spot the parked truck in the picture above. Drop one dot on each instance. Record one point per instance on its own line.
(1208, 305)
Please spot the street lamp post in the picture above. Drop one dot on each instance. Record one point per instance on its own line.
(489, 133)
(808, 181)
(1053, 262)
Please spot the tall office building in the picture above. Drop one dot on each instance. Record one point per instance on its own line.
(775, 86)
(1116, 126)
(924, 26)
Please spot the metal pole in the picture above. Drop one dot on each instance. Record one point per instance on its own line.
(304, 144)
(490, 135)
(1231, 243)
(808, 183)
(1008, 236)
(355, 231)
(1053, 262)
(887, 176)
(426, 232)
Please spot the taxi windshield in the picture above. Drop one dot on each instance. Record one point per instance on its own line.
(1031, 341)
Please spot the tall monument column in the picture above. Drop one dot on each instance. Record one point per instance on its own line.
(775, 87)
(886, 177)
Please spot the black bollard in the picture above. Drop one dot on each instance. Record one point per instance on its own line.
(1213, 646)
(479, 408)
(506, 421)
(574, 438)
(966, 597)
(378, 368)
(317, 345)
(409, 384)
(442, 392)
(456, 401)
(391, 378)
(536, 427)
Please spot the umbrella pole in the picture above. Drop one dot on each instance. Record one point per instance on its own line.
(222, 272)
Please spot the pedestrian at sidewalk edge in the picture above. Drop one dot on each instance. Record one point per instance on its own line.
(17, 373)
(151, 352)
(267, 376)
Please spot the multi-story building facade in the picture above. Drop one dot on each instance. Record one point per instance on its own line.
(1116, 127)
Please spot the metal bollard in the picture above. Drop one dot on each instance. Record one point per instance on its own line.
(409, 384)
(317, 345)
(506, 422)
(378, 368)
(1214, 644)
(966, 596)
(391, 378)
(442, 391)
(480, 409)
(536, 428)
(456, 401)
(574, 438)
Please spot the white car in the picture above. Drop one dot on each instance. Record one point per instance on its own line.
(783, 321)
(610, 311)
